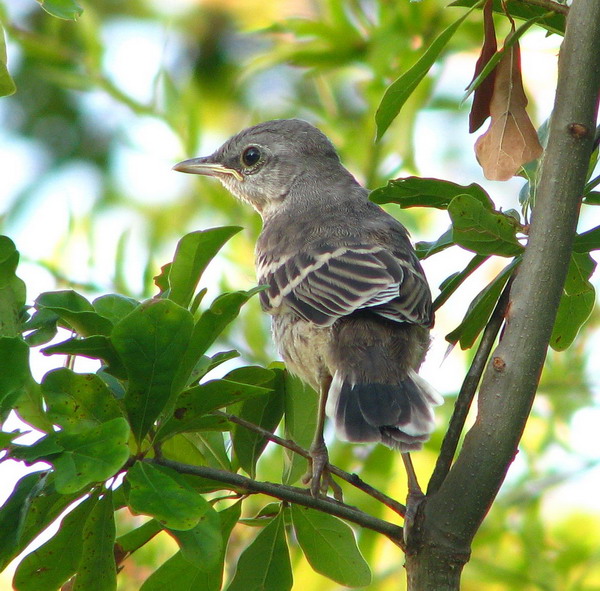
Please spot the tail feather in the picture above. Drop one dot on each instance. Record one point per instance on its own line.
(399, 415)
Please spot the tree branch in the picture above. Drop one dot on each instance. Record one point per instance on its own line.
(548, 5)
(352, 479)
(467, 393)
(291, 494)
(449, 519)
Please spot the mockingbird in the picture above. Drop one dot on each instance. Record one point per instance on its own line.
(351, 308)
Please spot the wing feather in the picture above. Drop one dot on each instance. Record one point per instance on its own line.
(325, 283)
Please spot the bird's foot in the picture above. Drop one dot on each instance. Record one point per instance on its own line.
(318, 474)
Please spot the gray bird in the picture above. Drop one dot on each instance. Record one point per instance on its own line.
(351, 309)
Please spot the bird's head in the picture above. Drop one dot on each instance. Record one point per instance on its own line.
(260, 164)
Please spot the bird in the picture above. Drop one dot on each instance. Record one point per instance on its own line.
(350, 305)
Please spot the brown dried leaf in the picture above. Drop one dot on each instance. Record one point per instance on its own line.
(511, 140)
(480, 109)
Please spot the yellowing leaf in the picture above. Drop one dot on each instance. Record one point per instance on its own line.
(511, 140)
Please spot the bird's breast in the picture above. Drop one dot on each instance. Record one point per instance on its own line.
(304, 346)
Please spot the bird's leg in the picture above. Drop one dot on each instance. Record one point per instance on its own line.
(317, 474)
(414, 497)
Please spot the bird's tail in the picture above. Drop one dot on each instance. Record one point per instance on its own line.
(400, 415)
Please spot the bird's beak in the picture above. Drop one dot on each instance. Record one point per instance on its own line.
(206, 167)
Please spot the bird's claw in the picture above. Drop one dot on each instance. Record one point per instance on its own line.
(318, 474)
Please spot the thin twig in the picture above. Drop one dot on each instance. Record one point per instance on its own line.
(467, 393)
(548, 5)
(291, 494)
(352, 479)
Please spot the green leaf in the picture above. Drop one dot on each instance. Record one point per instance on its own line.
(15, 375)
(581, 268)
(135, 539)
(330, 548)
(7, 85)
(64, 9)
(212, 445)
(265, 563)
(12, 289)
(587, 241)
(178, 573)
(194, 252)
(114, 307)
(266, 514)
(266, 412)
(165, 495)
(197, 300)
(74, 310)
(44, 448)
(91, 455)
(592, 198)
(53, 563)
(208, 448)
(400, 90)
(151, 342)
(11, 516)
(183, 448)
(482, 231)
(202, 546)
(162, 279)
(97, 570)
(78, 400)
(451, 283)
(195, 403)
(33, 505)
(207, 364)
(414, 191)
(301, 406)
(253, 375)
(187, 447)
(200, 449)
(426, 249)
(29, 406)
(18, 390)
(41, 327)
(481, 309)
(96, 347)
(223, 310)
(573, 312)
(576, 303)
(7, 438)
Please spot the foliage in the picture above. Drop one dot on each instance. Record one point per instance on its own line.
(102, 435)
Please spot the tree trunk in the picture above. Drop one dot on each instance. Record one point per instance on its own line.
(440, 538)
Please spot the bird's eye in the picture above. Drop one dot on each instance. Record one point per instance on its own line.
(251, 156)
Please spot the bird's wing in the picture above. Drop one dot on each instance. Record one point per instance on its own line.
(325, 283)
